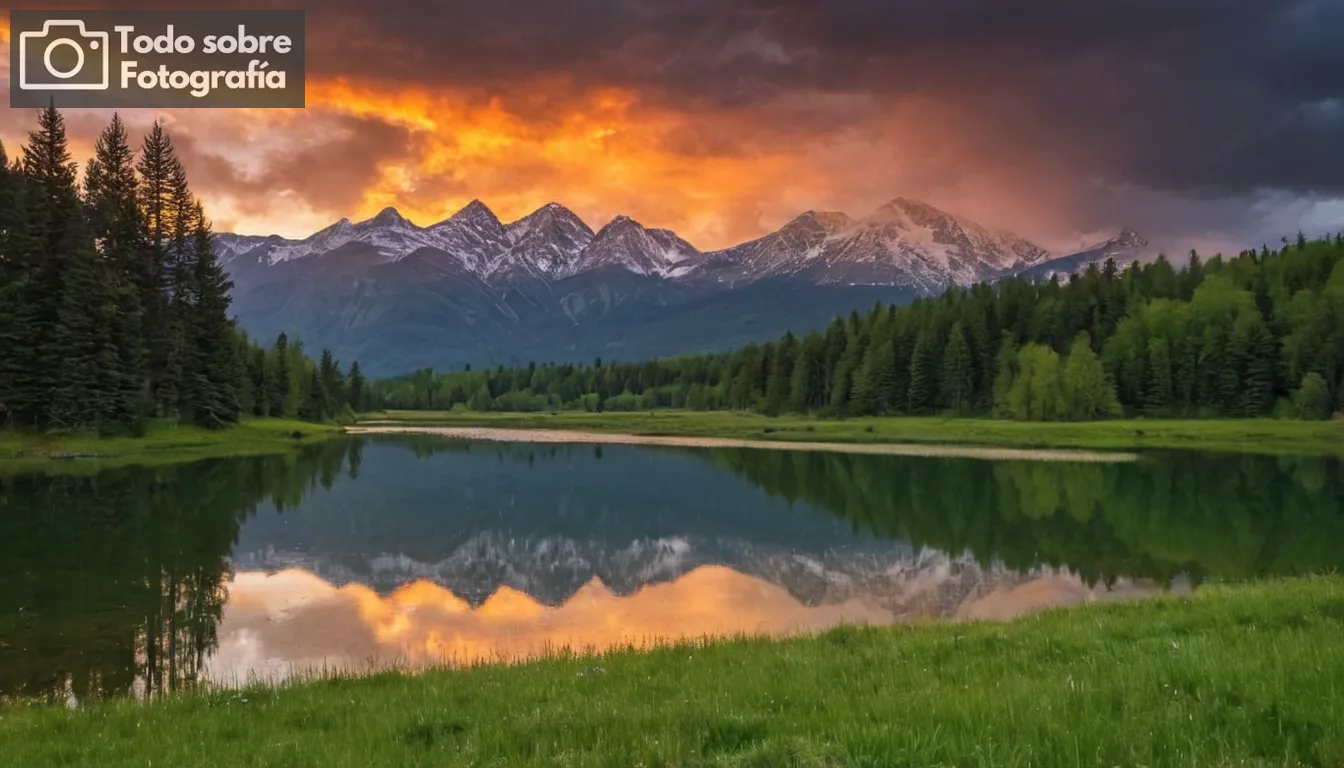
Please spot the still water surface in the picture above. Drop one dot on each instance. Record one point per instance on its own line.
(413, 550)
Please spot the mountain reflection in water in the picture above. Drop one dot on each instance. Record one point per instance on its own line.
(276, 624)
(415, 549)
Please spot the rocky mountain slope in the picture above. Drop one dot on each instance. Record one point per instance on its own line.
(1124, 248)
(474, 290)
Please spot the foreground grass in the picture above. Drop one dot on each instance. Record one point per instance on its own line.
(1235, 676)
(1249, 436)
(163, 443)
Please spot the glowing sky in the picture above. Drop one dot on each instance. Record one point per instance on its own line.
(1216, 122)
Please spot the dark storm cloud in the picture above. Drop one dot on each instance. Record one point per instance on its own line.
(329, 169)
(1205, 99)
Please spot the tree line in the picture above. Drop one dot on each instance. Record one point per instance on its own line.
(1258, 334)
(114, 308)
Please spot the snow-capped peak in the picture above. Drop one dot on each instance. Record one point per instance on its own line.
(547, 242)
(475, 214)
(388, 217)
(1128, 238)
(626, 243)
(905, 242)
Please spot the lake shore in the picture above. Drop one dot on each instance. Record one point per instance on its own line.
(561, 436)
(1229, 674)
(1259, 436)
(163, 443)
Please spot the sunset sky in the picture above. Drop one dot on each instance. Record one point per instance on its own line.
(1217, 123)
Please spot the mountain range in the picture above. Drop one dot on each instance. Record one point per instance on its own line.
(474, 290)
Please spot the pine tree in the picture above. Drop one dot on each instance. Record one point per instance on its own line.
(278, 382)
(921, 374)
(1257, 393)
(781, 373)
(88, 395)
(355, 388)
(210, 367)
(259, 369)
(1159, 394)
(313, 400)
(805, 387)
(1005, 376)
(159, 276)
(111, 192)
(332, 389)
(863, 400)
(52, 204)
(19, 323)
(958, 376)
(885, 378)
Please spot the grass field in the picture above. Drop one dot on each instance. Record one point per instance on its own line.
(1250, 436)
(1234, 676)
(163, 443)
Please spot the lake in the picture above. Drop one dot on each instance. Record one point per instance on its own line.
(411, 550)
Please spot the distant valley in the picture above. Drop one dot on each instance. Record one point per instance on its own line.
(472, 290)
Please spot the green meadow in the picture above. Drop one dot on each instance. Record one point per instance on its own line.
(1247, 675)
(163, 443)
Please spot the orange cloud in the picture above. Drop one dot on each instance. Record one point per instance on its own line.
(717, 175)
(602, 153)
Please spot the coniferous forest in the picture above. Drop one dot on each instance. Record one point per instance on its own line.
(1256, 335)
(114, 309)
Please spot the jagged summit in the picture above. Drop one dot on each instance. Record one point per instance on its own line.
(1124, 248)
(547, 242)
(627, 244)
(387, 217)
(905, 243)
(1128, 238)
(475, 213)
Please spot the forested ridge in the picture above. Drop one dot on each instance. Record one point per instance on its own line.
(1255, 335)
(114, 308)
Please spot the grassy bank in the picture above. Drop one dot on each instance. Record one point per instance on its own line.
(1251, 436)
(163, 443)
(1250, 675)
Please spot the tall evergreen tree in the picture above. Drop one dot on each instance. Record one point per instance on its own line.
(332, 390)
(1005, 376)
(159, 274)
(90, 386)
(211, 362)
(958, 377)
(781, 373)
(111, 195)
(19, 305)
(922, 383)
(355, 388)
(1159, 395)
(52, 205)
(278, 382)
(1261, 361)
(314, 399)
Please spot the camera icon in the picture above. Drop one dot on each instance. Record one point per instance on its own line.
(60, 36)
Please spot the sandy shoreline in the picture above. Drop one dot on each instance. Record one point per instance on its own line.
(574, 437)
